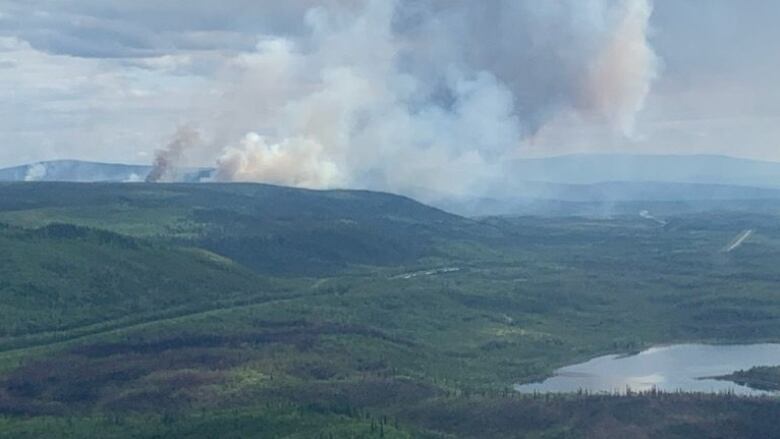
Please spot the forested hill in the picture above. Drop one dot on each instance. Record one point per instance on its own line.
(271, 229)
(260, 198)
(242, 310)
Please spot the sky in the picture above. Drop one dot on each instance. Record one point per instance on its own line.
(321, 93)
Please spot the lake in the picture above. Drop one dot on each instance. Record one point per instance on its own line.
(671, 368)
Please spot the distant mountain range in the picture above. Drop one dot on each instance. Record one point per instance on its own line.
(88, 172)
(601, 168)
(621, 191)
(74, 171)
(609, 183)
(573, 183)
(614, 198)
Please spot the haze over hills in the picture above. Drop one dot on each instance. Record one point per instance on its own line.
(75, 171)
(87, 172)
(600, 168)
(565, 169)
(572, 184)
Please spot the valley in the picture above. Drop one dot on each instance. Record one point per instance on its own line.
(159, 309)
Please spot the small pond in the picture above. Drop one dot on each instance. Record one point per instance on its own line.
(688, 367)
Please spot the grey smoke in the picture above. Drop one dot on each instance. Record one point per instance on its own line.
(589, 55)
(401, 95)
(166, 160)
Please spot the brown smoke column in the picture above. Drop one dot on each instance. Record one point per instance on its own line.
(166, 160)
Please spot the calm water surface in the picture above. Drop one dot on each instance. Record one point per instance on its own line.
(671, 368)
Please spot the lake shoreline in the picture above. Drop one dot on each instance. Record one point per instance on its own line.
(691, 367)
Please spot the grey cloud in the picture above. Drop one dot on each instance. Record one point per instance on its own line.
(117, 29)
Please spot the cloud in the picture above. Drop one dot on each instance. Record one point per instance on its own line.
(56, 106)
(144, 28)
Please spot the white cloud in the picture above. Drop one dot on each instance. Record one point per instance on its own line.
(57, 106)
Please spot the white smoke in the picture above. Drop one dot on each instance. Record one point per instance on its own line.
(36, 172)
(295, 162)
(134, 178)
(405, 95)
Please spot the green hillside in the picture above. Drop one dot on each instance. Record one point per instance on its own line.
(63, 278)
(270, 229)
(259, 311)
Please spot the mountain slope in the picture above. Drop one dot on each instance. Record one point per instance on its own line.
(268, 228)
(61, 277)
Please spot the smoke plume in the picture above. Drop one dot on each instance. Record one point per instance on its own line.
(167, 159)
(409, 95)
(36, 172)
(295, 162)
(619, 78)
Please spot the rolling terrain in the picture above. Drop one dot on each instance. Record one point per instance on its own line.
(584, 185)
(201, 310)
